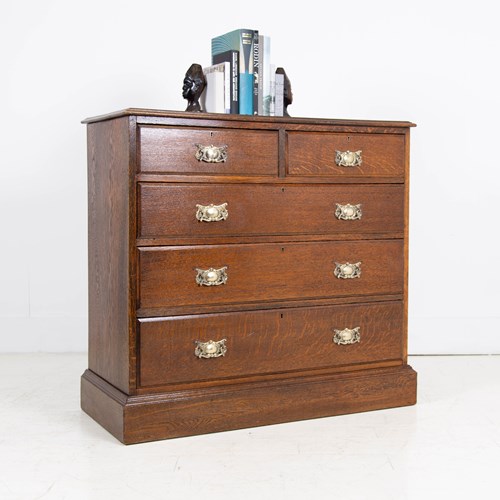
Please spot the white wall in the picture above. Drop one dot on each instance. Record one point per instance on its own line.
(434, 63)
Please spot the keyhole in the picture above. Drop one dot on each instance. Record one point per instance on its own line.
(282, 249)
(281, 316)
(348, 138)
(282, 190)
(211, 134)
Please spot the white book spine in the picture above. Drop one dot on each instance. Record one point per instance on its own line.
(272, 89)
(266, 75)
(216, 97)
(227, 87)
(280, 91)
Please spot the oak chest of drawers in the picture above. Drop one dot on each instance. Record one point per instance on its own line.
(244, 271)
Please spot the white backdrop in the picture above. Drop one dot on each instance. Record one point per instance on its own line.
(434, 63)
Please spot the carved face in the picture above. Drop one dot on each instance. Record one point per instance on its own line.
(194, 83)
(188, 88)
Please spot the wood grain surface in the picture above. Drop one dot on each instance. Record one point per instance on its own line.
(169, 210)
(108, 240)
(280, 244)
(185, 413)
(266, 272)
(267, 341)
(314, 154)
(170, 149)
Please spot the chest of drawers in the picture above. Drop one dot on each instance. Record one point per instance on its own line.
(244, 271)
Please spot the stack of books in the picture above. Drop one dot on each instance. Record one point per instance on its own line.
(242, 80)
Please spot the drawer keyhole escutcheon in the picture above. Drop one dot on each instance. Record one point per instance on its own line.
(348, 158)
(347, 270)
(211, 276)
(212, 213)
(211, 153)
(347, 336)
(210, 349)
(348, 212)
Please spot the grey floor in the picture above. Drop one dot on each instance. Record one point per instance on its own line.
(448, 446)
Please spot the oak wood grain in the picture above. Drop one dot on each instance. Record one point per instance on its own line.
(185, 413)
(260, 272)
(108, 240)
(149, 115)
(167, 210)
(314, 154)
(280, 243)
(267, 341)
(173, 149)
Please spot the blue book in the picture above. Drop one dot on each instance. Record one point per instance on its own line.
(241, 40)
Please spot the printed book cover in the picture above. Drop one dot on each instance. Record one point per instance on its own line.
(256, 71)
(242, 41)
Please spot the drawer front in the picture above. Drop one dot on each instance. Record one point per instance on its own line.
(314, 153)
(268, 342)
(184, 210)
(175, 150)
(263, 272)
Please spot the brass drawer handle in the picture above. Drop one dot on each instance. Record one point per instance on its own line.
(348, 158)
(347, 270)
(348, 212)
(211, 276)
(211, 213)
(347, 336)
(211, 154)
(210, 349)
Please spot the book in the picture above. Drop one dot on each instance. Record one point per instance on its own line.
(231, 56)
(256, 71)
(279, 94)
(216, 97)
(265, 75)
(272, 89)
(241, 40)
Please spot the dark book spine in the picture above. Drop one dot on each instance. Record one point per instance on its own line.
(257, 73)
(235, 92)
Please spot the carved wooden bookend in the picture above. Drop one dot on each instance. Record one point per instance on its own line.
(193, 85)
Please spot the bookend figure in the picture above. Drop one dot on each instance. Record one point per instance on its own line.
(287, 91)
(193, 86)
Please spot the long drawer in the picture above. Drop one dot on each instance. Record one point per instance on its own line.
(242, 273)
(181, 210)
(185, 150)
(345, 155)
(215, 346)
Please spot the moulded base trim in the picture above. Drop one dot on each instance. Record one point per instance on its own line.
(136, 419)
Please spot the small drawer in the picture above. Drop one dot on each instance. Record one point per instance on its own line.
(243, 273)
(216, 346)
(189, 151)
(346, 155)
(177, 211)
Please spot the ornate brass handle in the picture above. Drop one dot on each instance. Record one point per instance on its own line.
(347, 336)
(347, 270)
(348, 158)
(210, 349)
(211, 213)
(348, 212)
(211, 154)
(211, 276)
